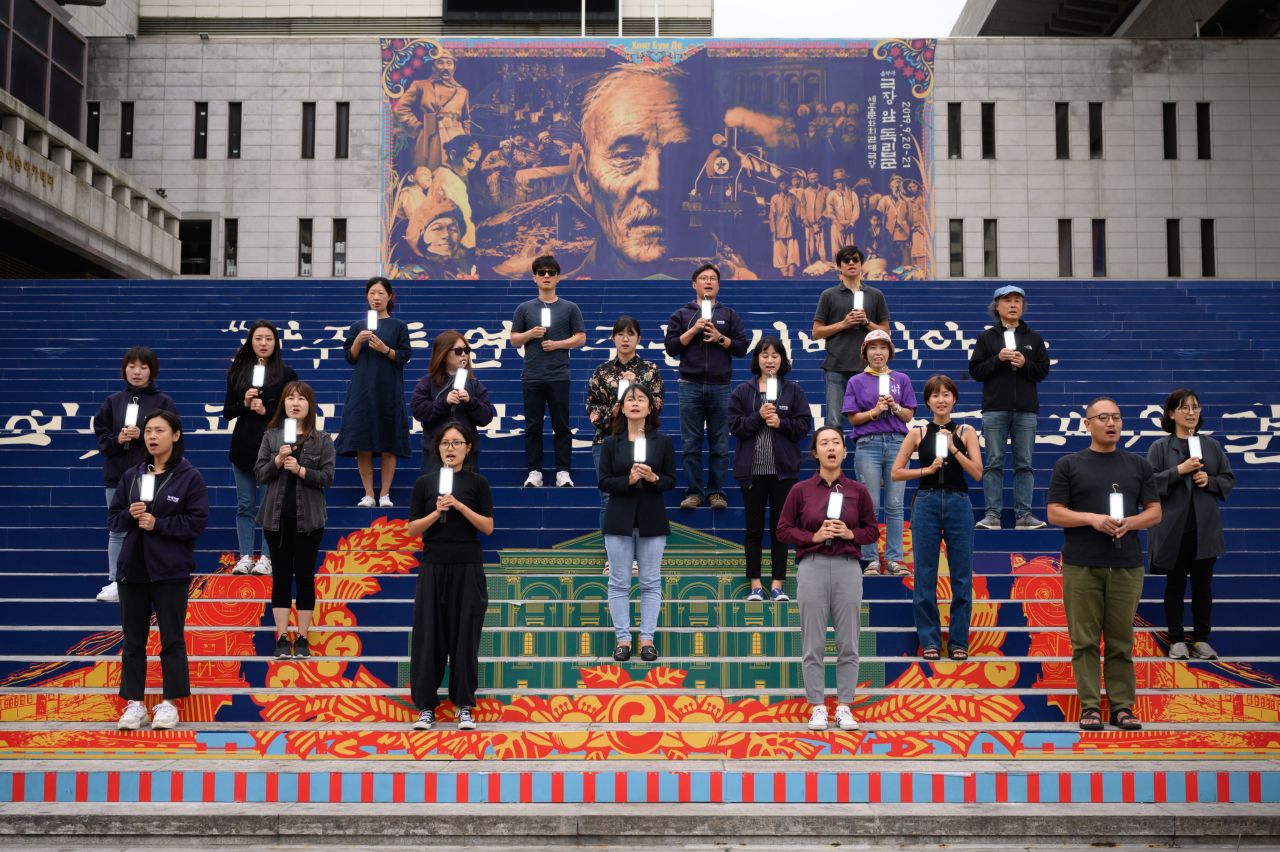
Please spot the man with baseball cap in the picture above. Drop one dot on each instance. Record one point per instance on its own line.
(1010, 359)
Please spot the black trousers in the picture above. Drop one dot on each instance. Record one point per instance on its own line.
(448, 616)
(1200, 571)
(772, 491)
(168, 600)
(293, 558)
(538, 396)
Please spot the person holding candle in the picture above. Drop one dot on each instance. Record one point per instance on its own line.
(1192, 475)
(1101, 497)
(374, 418)
(879, 403)
(1010, 359)
(548, 327)
(706, 336)
(296, 462)
(829, 518)
(254, 381)
(450, 508)
(118, 431)
(941, 512)
(449, 390)
(846, 313)
(637, 465)
(161, 505)
(768, 417)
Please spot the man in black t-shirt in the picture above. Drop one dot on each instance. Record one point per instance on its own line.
(844, 326)
(1102, 560)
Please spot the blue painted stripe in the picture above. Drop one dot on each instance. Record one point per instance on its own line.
(1112, 787)
(383, 787)
(859, 787)
(540, 787)
(287, 787)
(953, 788)
(573, 787)
(1081, 787)
(1270, 787)
(827, 791)
(700, 787)
(731, 788)
(1144, 787)
(985, 786)
(668, 786)
(192, 786)
(607, 787)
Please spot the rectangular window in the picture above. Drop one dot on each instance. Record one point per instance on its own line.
(1208, 257)
(230, 247)
(990, 252)
(1095, 131)
(233, 130)
(126, 130)
(1062, 129)
(1204, 135)
(1173, 246)
(988, 131)
(1064, 248)
(342, 132)
(196, 236)
(304, 248)
(1170, 114)
(309, 130)
(953, 131)
(93, 125)
(202, 130)
(339, 248)
(1099, 248)
(957, 248)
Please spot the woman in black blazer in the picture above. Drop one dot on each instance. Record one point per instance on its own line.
(637, 464)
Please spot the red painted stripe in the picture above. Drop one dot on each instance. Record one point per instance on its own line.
(779, 787)
(588, 787)
(682, 792)
(1160, 794)
(273, 787)
(1255, 787)
(1193, 787)
(304, 787)
(748, 787)
(397, 787)
(1064, 788)
(19, 786)
(240, 790)
(906, 791)
(1126, 787)
(652, 792)
(175, 787)
(970, 788)
(939, 788)
(429, 788)
(495, 787)
(1002, 788)
(811, 787)
(842, 787)
(1095, 788)
(874, 795)
(1033, 788)
(557, 787)
(1224, 787)
(464, 789)
(82, 787)
(526, 787)
(366, 788)
(113, 786)
(209, 791)
(144, 786)
(335, 787)
(717, 787)
(51, 786)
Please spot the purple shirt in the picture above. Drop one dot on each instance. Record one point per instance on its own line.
(806, 508)
(862, 393)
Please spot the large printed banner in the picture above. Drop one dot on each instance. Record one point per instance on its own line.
(632, 158)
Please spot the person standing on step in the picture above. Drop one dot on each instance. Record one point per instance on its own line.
(843, 319)
(451, 507)
(161, 506)
(1101, 497)
(706, 336)
(1192, 475)
(768, 417)
(254, 381)
(1010, 359)
(374, 417)
(120, 443)
(879, 403)
(296, 472)
(548, 327)
(437, 400)
(829, 518)
(941, 512)
(637, 466)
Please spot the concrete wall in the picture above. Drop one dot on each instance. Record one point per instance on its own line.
(113, 18)
(370, 8)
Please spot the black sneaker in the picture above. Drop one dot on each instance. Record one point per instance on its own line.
(426, 719)
(301, 648)
(283, 649)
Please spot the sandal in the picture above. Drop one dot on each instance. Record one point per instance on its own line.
(897, 569)
(959, 653)
(1125, 720)
(1091, 720)
(931, 654)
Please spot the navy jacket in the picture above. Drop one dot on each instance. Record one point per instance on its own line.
(745, 424)
(700, 362)
(1003, 387)
(108, 422)
(181, 509)
(431, 408)
(639, 506)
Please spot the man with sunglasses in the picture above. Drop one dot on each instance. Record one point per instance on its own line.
(844, 327)
(1101, 497)
(545, 378)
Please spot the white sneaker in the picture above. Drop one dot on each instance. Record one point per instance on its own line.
(385, 502)
(534, 479)
(563, 479)
(366, 502)
(466, 722)
(1203, 651)
(243, 565)
(426, 719)
(135, 717)
(263, 565)
(164, 717)
(110, 593)
(818, 718)
(844, 718)
(1178, 651)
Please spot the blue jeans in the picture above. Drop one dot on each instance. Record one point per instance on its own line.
(248, 493)
(704, 410)
(872, 463)
(596, 449)
(115, 543)
(647, 553)
(998, 427)
(938, 516)
(835, 383)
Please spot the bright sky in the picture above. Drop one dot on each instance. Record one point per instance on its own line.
(835, 18)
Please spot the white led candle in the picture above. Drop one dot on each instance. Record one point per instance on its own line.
(706, 309)
(640, 451)
(147, 488)
(885, 388)
(446, 480)
(460, 379)
(546, 318)
(131, 414)
(291, 430)
(1193, 447)
(259, 379)
(623, 385)
(1117, 506)
(771, 389)
(371, 321)
(835, 505)
(941, 446)
(859, 299)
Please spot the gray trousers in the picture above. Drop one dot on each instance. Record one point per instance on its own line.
(829, 589)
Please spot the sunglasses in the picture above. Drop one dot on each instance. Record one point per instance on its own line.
(544, 273)
(461, 350)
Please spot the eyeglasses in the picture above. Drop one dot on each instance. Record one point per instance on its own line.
(708, 279)
(1106, 417)
(453, 445)
(461, 350)
(1188, 409)
(545, 273)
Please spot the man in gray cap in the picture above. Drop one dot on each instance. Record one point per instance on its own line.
(1010, 359)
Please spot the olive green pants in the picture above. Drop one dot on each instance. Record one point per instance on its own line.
(1100, 605)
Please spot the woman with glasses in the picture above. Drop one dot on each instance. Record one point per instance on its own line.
(1192, 475)
(437, 400)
